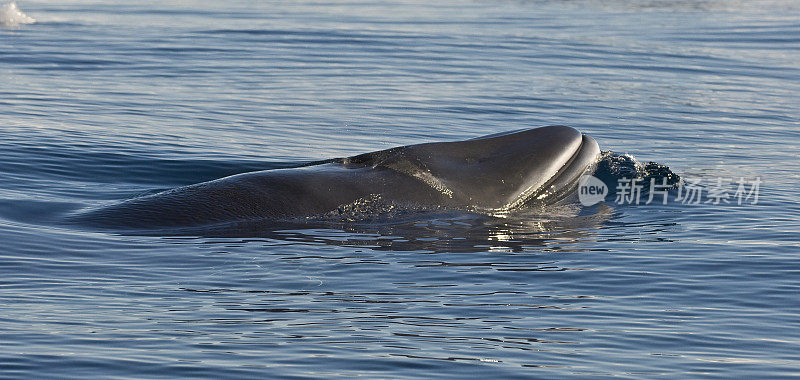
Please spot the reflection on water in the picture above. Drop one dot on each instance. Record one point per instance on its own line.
(549, 227)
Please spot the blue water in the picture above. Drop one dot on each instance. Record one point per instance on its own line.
(102, 101)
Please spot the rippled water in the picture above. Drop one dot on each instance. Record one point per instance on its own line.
(102, 101)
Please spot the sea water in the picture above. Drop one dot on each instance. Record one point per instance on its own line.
(102, 101)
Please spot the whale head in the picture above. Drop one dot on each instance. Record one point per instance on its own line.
(499, 172)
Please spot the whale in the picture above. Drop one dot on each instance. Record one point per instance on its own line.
(493, 174)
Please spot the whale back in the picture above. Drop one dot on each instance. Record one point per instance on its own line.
(494, 172)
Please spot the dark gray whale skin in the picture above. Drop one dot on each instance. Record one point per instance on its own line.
(493, 174)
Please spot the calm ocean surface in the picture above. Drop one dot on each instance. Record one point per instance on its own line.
(101, 101)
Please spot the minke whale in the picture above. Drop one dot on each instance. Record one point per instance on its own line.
(493, 174)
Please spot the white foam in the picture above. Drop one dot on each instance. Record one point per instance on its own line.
(12, 17)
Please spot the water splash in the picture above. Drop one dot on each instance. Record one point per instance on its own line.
(12, 17)
(613, 167)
